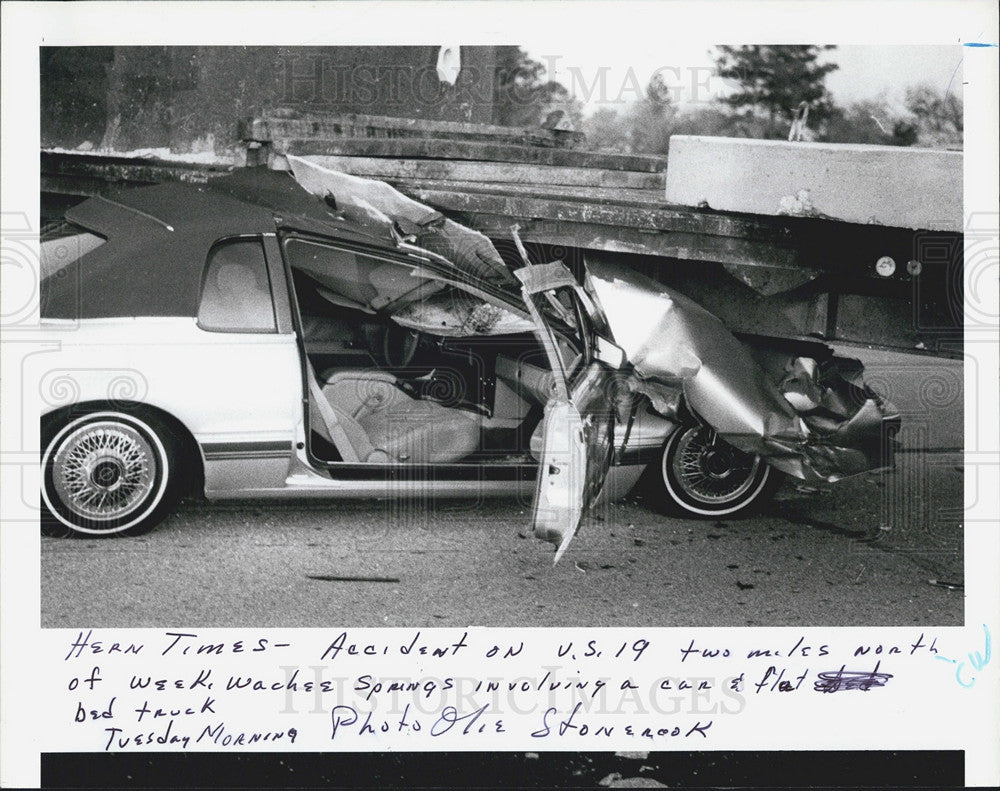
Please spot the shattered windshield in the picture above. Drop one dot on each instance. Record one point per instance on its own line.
(455, 313)
(414, 298)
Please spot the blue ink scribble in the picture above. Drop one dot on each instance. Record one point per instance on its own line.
(976, 659)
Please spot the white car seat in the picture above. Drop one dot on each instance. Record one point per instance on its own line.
(378, 422)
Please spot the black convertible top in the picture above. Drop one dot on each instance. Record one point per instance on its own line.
(158, 239)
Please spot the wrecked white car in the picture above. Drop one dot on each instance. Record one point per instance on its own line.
(322, 336)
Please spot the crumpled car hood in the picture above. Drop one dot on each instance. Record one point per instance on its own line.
(810, 416)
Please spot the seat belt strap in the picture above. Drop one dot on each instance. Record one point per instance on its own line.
(337, 433)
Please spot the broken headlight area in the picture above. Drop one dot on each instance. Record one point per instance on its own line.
(839, 429)
(846, 427)
(792, 402)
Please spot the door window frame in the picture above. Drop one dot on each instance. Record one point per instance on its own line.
(424, 264)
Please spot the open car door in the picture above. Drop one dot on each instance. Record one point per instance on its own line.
(578, 425)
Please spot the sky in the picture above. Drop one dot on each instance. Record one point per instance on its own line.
(618, 73)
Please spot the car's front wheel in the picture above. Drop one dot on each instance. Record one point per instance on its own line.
(700, 475)
(107, 473)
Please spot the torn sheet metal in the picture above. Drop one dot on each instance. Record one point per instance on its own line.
(368, 201)
(802, 414)
(545, 277)
(664, 398)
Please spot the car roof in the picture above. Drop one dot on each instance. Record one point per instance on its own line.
(292, 206)
(158, 239)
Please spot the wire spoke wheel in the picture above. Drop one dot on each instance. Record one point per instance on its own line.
(108, 473)
(712, 471)
(702, 475)
(104, 471)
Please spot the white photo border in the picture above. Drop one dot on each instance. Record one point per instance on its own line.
(28, 26)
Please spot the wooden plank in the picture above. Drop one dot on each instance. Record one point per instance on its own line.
(355, 124)
(541, 208)
(532, 137)
(603, 195)
(596, 236)
(643, 218)
(128, 169)
(66, 184)
(470, 150)
(494, 172)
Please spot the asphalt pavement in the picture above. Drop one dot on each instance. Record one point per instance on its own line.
(878, 549)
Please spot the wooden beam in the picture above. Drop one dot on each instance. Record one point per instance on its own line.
(596, 236)
(322, 125)
(613, 215)
(492, 172)
(609, 196)
(89, 186)
(470, 150)
(131, 170)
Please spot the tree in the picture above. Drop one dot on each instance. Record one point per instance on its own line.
(521, 94)
(605, 130)
(644, 127)
(714, 121)
(938, 117)
(869, 121)
(651, 118)
(772, 81)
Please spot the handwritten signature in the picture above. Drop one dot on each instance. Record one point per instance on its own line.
(843, 679)
(977, 660)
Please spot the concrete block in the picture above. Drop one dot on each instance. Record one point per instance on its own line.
(880, 185)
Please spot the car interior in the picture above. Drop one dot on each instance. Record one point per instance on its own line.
(406, 369)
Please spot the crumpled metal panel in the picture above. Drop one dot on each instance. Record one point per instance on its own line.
(802, 415)
(372, 202)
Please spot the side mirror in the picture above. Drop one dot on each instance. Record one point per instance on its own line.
(611, 354)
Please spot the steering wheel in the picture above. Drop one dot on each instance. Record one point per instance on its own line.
(399, 345)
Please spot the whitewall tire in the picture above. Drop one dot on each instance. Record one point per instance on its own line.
(107, 473)
(700, 475)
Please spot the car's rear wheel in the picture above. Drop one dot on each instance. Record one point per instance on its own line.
(700, 475)
(108, 473)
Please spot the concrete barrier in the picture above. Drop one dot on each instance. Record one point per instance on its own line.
(881, 185)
